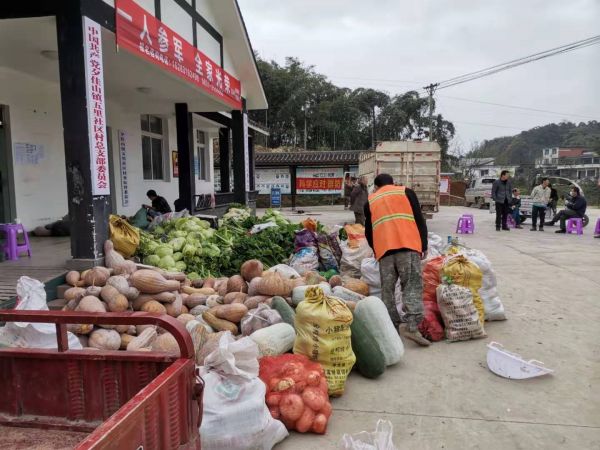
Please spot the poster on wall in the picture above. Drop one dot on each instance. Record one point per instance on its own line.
(175, 163)
(444, 185)
(28, 154)
(94, 80)
(144, 35)
(267, 179)
(123, 161)
(319, 180)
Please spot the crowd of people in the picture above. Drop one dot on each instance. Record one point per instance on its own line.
(543, 197)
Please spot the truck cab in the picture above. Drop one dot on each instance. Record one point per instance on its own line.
(479, 192)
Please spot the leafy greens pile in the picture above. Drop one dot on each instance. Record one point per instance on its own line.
(188, 244)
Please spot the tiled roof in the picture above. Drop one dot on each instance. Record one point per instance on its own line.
(314, 158)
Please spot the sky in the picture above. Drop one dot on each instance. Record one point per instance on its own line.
(399, 45)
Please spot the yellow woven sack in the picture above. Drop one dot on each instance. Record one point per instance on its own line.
(356, 233)
(465, 273)
(323, 335)
(125, 237)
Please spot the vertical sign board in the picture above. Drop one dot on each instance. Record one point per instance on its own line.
(246, 151)
(175, 163)
(275, 198)
(444, 185)
(144, 35)
(123, 160)
(94, 80)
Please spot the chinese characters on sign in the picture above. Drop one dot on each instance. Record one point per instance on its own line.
(144, 35)
(28, 154)
(267, 179)
(94, 74)
(123, 159)
(319, 180)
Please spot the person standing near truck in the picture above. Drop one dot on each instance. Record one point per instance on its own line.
(358, 200)
(540, 197)
(502, 196)
(396, 231)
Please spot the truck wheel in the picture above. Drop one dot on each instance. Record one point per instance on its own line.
(469, 204)
(586, 220)
(522, 219)
(480, 203)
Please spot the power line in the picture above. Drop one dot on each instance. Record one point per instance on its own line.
(519, 107)
(517, 62)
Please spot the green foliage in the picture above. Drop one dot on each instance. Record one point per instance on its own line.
(525, 147)
(339, 118)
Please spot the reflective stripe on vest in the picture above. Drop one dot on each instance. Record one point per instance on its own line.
(393, 221)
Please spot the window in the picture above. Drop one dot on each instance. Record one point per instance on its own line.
(591, 173)
(201, 165)
(484, 172)
(152, 147)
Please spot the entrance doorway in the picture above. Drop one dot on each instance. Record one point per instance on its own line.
(7, 193)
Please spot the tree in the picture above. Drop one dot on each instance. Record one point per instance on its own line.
(369, 101)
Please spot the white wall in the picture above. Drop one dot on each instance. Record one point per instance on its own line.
(41, 189)
(35, 117)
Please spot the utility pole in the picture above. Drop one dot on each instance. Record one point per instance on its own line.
(431, 90)
(305, 108)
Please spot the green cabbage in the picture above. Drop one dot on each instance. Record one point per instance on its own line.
(177, 244)
(178, 256)
(180, 266)
(166, 262)
(164, 250)
(152, 260)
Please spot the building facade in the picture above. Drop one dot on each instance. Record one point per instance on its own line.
(102, 100)
(577, 163)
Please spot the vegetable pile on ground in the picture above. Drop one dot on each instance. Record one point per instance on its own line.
(188, 244)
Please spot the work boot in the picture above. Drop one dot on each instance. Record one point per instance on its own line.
(561, 231)
(497, 228)
(549, 223)
(415, 335)
(519, 227)
(505, 229)
(541, 229)
(533, 228)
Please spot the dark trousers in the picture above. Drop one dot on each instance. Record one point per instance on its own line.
(563, 215)
(538, 211)
(502, 211)
(359, 217)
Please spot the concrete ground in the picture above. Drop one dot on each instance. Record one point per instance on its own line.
(444, 397)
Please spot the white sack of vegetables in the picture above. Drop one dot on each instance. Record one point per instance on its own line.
(235, 414)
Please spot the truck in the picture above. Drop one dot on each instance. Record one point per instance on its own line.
(414, 164)
(99, 399)
(479, 192)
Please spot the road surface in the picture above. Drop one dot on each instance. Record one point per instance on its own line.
(444, 397)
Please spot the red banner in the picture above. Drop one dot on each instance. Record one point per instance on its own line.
(319, 184)
(142, 34)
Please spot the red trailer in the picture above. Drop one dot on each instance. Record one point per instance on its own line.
(96, 399)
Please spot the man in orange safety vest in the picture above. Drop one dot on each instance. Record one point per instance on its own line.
(395, 229)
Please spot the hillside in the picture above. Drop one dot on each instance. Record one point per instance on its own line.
(525, 147)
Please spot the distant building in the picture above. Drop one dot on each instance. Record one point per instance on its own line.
(472, 168)
(577, 163)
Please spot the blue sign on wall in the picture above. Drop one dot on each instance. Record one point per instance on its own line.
(276, 197)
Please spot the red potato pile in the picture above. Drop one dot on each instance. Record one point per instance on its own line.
(296, 392)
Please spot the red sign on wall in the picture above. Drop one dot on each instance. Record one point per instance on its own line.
(142, 34)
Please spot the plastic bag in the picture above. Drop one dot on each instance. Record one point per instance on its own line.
(140, 219)
(326, 256)
(334, 244)
(156, 221)
(305, 260)
(260, 317)
(352, 257)
(459, 313)
(299, 292)
(355, 233)
(494, 310)
(435, 245)
(235, 415)
(431, 327)
(375, 316)
(294, 375)
(380, 439)
(285, 271)
(465, 273)
(32, 297)
(274, 340)
(369, 270)
(125, 237)
(304, 238)
(323, 334)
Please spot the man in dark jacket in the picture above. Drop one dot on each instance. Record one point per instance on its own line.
(502, 196)
(159, 204)
(358, 200)
(575, 207)
(396, 231)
